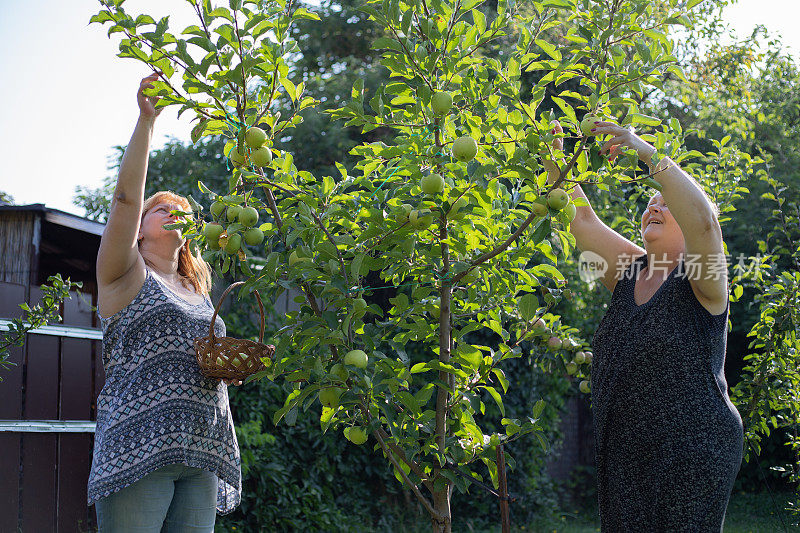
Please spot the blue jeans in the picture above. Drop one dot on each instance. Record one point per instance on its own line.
(173, 499)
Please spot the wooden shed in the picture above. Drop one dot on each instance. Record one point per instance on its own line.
(47, 408)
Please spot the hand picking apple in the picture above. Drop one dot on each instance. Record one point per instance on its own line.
(622, 138)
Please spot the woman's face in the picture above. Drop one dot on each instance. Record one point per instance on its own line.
(658, 224)
(155, 217)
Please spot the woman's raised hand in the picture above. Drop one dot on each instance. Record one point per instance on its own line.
(147, 104)
(622, 138)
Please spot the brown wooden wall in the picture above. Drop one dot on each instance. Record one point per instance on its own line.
(18, 238)
(44, 476)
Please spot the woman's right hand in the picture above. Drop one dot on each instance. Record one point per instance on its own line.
(147, 104)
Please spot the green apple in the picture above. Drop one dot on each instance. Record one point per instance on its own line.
(359, 305)
(554, 343)
(329, 396)
(441, 103)
(572, 368)
(570, 344)
(339, 371)
(580, 358)
(248, 216)
(236, 157)
(432, 184)
(539, 206)
(420, 219)
(588, 123)
(356, 435)
(233, 213)
(254, 236)
(402, 213)
(294, 258)
(356, 358)
(255, 137)
(465, 148)
(212, 231)
(589, 357)
(539, 326)
(261, 157)
(571, 211)
(584, 386)
(557, 199)
(217, 208)
(234, 244)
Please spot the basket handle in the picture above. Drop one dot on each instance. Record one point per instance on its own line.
(216, 309)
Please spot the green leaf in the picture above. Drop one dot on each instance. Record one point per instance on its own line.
(497, 398)
(528, 304)
(549, 49)
(291, 90)
(638, 118)
(303, 13)
(355, 266)
(538, 408)
(408, 400)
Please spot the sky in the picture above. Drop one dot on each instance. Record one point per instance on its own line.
(67, 99)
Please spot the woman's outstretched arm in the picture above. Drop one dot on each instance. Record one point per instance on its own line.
(592, 234)
(118, 251)
(706, 262)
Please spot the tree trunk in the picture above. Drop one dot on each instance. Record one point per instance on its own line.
(441, 498)
(441, 502)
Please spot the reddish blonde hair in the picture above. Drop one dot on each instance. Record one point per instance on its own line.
(191, 268)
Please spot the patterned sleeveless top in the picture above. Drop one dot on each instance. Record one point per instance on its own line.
(156, 408)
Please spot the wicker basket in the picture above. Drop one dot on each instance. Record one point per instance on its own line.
(228, 357)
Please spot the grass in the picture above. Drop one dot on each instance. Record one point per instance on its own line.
(747, 513)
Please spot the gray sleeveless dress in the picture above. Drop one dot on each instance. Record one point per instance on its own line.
(668, 440)
(156, 408)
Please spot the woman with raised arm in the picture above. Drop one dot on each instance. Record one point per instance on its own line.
(166, 457)
(668, 440)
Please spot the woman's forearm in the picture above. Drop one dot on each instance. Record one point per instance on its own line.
(686, 200)
(133, 168)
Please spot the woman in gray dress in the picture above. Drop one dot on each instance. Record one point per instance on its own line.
(668, 440)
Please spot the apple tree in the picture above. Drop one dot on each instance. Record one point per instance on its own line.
(455, 215)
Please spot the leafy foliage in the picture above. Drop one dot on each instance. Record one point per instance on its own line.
(769, 394)
(55, 291)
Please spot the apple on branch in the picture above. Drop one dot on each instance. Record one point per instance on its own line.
(255, 137)
(465, 148)
(441, 103)
(356, 358)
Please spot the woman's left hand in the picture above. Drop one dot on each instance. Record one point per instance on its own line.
(232, 381)
(622, 138)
